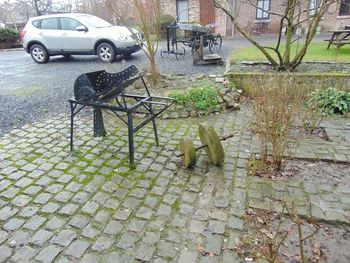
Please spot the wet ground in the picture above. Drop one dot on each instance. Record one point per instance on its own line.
(90, 207)
(31, 92)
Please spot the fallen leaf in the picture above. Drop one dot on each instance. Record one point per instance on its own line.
(201, 250)
(260, 220)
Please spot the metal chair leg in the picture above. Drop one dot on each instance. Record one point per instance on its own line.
(131, 139)
(71, 125)
(99, 128)
(155, 131)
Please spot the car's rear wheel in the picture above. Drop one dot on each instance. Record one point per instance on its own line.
(106, 52)
(39, 54)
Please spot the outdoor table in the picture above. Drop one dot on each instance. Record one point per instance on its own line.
(339, 38)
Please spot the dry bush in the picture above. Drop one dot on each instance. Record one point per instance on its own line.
(146, 15)
(277, 105)
(269, 234)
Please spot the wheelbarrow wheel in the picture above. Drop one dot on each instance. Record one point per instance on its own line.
(215, 43)
(164, 52)
(180, 53)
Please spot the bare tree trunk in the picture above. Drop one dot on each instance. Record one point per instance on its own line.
(245, 34)
(290, 31)
(148, 22)
(154, 69)
(291, 15)
(13, 20)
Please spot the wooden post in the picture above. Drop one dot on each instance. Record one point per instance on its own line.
(198, 53)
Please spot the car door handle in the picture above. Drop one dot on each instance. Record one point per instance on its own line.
(41, 33)
(64, 34)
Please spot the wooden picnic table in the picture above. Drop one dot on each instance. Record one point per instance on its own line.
(339, 38)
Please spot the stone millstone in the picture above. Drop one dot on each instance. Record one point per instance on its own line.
(189, 158)
(215, 150)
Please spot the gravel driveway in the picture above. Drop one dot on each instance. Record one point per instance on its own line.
(30, 92)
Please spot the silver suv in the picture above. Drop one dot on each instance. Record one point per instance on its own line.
(76, 34)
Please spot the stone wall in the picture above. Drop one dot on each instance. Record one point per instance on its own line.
(246, 81)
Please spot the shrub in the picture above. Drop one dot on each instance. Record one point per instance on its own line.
(201, 98)
(180, 97)
(8, 36)
(165, 20)
(330, 101)
(204, 97)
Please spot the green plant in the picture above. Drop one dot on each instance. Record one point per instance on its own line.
(8, 35)
(180, 97)
(165, 20)
(314, 113)
(330, 101)
(204, 97)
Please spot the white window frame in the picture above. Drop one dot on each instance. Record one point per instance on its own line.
(183, 14)
(313, 7)
(344, 14)
(263, 9)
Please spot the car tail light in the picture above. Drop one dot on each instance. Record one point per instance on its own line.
(23, 33)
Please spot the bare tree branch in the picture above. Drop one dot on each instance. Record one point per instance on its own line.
(294, 15)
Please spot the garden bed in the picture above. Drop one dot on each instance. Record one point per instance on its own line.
(246, 79)
(315, 67)
(300, 132)
(329, 244)
(195, 95)
(315, 172)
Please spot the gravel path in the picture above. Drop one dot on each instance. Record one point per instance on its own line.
(31, 92)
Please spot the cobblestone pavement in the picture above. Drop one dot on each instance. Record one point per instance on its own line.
(92, 208)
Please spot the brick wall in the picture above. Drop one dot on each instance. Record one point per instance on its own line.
(332, 20)
(246, 15)
(169, 7)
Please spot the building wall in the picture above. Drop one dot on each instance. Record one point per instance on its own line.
(332, 20)
(246, 15)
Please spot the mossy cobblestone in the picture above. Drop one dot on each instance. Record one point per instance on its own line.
(91, 207)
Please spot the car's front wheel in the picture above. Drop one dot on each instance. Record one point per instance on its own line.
(106, 53)
(39, 54)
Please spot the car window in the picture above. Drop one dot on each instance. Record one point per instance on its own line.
(49, 23)
(69, 23)
(94, 21)
(36, 23)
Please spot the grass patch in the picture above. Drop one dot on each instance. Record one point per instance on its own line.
(316, 52)
(254, 165)
(176, 205)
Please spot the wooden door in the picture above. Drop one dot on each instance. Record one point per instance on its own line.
(207, 12)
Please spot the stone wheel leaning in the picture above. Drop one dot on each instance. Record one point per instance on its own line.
(214, 150)
(189, 158)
